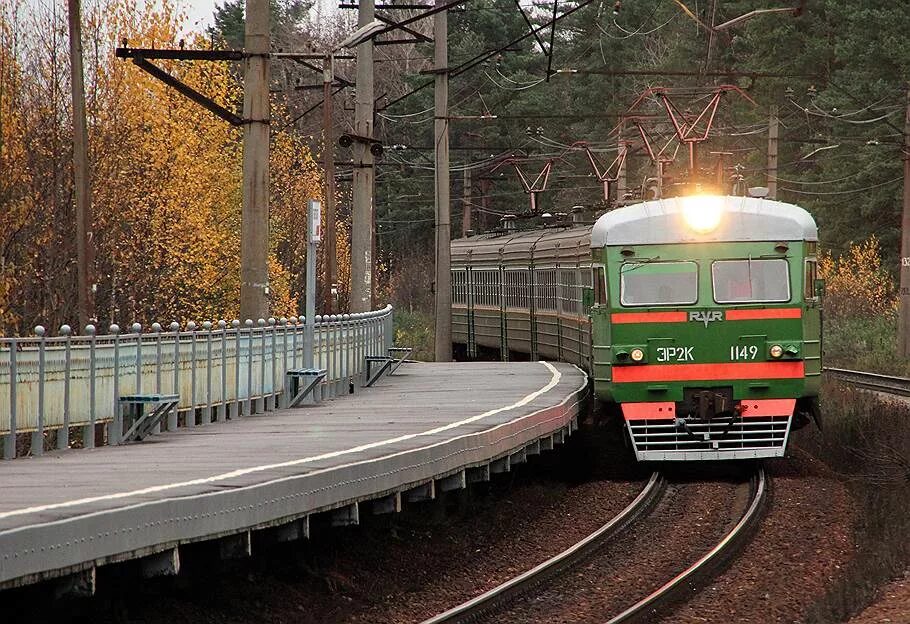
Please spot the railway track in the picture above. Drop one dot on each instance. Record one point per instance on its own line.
(529, 587)
(872, 381)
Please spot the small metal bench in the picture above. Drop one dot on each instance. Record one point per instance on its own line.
(144, 422)
(303, 381)
(396, 357)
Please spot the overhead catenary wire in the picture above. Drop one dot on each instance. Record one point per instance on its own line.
(847, 192)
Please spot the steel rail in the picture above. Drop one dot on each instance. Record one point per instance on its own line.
(501, 594)
(646, 608)
(872, 381)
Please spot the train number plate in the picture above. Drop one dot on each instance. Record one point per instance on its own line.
(743, 352)
(675, 354)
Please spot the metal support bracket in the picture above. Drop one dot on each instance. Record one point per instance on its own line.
(144, 423)
(313, 377)
(396, 357)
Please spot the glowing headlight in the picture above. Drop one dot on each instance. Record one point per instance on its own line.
(637, 355)
(776, 351)
(702, 212)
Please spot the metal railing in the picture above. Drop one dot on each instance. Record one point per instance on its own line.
(70, 384)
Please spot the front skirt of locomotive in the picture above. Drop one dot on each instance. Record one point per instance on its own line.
(752, 429)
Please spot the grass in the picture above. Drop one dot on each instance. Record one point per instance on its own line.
(864, 343)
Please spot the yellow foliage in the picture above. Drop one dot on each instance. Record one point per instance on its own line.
(166, 178)
(856, 284)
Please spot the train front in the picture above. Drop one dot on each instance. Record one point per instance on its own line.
(706, 321)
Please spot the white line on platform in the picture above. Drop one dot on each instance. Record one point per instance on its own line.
(554, 379)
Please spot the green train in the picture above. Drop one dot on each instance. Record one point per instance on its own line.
(698, 316)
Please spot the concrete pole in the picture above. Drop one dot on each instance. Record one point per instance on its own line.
(254, 235)
(362, 221)
(773, 135)
(82, 180)
(904, 330)
(330, 286)
(466, 204)
(443, 222)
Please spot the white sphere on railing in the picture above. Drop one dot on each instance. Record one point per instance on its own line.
(114, 329)
(156, 327)
(174, 326)
(248, 322)
(293, 320)
(318, 318)
(65, 330)
(39, 330)
(283, 320)
(90, 330)
(261, 322)
(191, 326)
(207, 326)
(346, 317)
(235, 323)
(272, 320)
(136, 328)
(222, 324)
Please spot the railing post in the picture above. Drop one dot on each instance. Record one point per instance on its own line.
(238, 405)
(172, 417)
(260, 402)
(334, 365)
(88, 433)
(249, 368)
(63, 434)
(156, 329)
(37, 438)
(348, 351)
(207, 412)
(9, 440)
(284, 370)
(222, 407)
(115, 430)
(191, 415)
(273, 398)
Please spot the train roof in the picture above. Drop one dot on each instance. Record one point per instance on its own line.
(742, 219)
(550, 245)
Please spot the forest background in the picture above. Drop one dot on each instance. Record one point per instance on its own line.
(166, 173)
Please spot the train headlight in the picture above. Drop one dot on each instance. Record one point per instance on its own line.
(776, 351)
(637, 355)
(702, 212)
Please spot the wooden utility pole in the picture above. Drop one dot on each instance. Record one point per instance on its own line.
(82, 180)
(904, 330)
(773, 132)
(466, 204)
(363, 182)
(330, 284)
(254, 236)
(443, 222)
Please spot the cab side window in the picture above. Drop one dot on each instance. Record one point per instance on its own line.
(600, 285)
(810, 277)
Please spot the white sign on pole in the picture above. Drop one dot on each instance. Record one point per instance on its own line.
(315, 210)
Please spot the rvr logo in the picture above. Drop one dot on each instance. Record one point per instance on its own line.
(706, 316)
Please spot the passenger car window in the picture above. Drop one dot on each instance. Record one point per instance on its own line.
(751, 281)
(658, 283)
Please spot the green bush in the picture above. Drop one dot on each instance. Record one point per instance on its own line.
(415, 329)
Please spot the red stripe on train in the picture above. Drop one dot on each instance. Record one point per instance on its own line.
(708, 372)
(648, 317)
(767, 313)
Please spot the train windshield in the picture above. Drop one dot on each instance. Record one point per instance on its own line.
(751, 281)
(658, 283)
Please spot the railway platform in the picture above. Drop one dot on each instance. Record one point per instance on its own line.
(427, 428)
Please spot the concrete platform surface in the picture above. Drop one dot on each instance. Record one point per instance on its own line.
(71, 510)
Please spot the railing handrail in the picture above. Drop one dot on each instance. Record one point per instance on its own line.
(218, 369)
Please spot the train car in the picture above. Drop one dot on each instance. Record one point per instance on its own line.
(698, 316)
